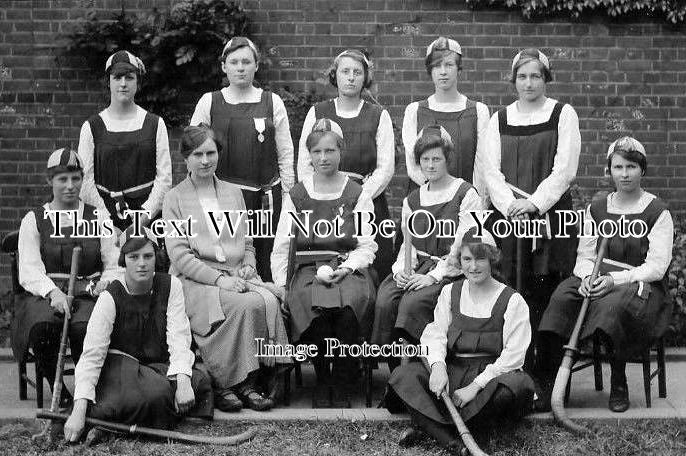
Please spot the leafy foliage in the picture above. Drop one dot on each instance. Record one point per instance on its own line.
(673, 11)
(180, 49)
(677, 284)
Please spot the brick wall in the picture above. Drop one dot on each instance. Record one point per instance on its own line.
(620, 78)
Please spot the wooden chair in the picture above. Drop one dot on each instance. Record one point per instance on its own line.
(10, 246)
(367, 364)
(596, 357)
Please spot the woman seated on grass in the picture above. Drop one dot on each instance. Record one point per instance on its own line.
(137, 365)
(476, 347)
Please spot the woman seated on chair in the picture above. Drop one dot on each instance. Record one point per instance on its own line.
(137, 364)
(45, 264)
(406, 299)
(476, 347)
(338, 303)
(629, 306)
(228, 304)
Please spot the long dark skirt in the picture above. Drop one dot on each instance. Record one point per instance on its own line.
(630, 321)
(306, 295)
(402, 313)
(409, 387)
(384, 255)
(264, 245)
(132, 393)
(33, 311)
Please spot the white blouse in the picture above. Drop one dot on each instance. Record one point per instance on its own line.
(410, 136)
(32, 275)
(282, 129)
(470, 202)
(97, 341)
(163, 167)
(385, 150)
(360, 257)
(658, 258)
(565, 163)
(516, 330)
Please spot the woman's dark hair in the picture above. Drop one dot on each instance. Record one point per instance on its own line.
(195, 136)
(436, 57)
(631, 155)
(531, 55)
(358, 56)
(134, 244)
(316, 136)
(431, 141)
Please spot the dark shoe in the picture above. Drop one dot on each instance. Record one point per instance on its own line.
(227, 401)
(254, 400)
(321, 396)
(340, 397)
(409, 437)
(542, 400)
(619, 398)
(457, 448)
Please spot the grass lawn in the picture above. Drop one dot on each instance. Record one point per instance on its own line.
(341, 438)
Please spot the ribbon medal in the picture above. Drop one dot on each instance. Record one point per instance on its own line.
(260, 126)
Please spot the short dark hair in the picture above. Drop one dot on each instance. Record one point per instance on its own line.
(195, 136)
(426, 142)
(316, 136)
(531, 55)
(134, 244)
(631, 155)
(437, 56)
(358, 56)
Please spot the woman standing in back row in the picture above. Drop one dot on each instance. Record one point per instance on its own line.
(530, 160)
(256, 150)
(369, 153)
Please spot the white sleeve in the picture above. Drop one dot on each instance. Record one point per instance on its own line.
(95, 346)
(658, 258)
(89, 193)
(448, 267)
(363, 254)
(202, 110)
(163, 172)
(565, 164)
(516, 339)
(109, 254)
(482, 119)
(304, 163)
(282, 242)
(385, 157)
(435, 335)
(500, 194)
(284, 143)
(181, 358)
(32, 275)
(586, 251)
(409, 134)
(399, 265)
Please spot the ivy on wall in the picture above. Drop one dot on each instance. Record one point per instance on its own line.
(180, 49)
(673, 11)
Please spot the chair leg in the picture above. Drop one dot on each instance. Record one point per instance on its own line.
(298, 375)
(22, 380)
(39, 387)
(597, 364)
(287, 388)
(568, 389)
(646, 376)
(661, 371)
(369, 377)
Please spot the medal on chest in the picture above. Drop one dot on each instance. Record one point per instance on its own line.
(260, 126)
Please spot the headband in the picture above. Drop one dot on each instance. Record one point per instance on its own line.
(470, 237)
(238, 42)
(532, 54)
(444, 44)
(64, 157)
(127, 235)
(626, 143)
(436, 130)
(327, 125)
(125, 58)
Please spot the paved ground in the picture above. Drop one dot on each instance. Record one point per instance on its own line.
(585, 402)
